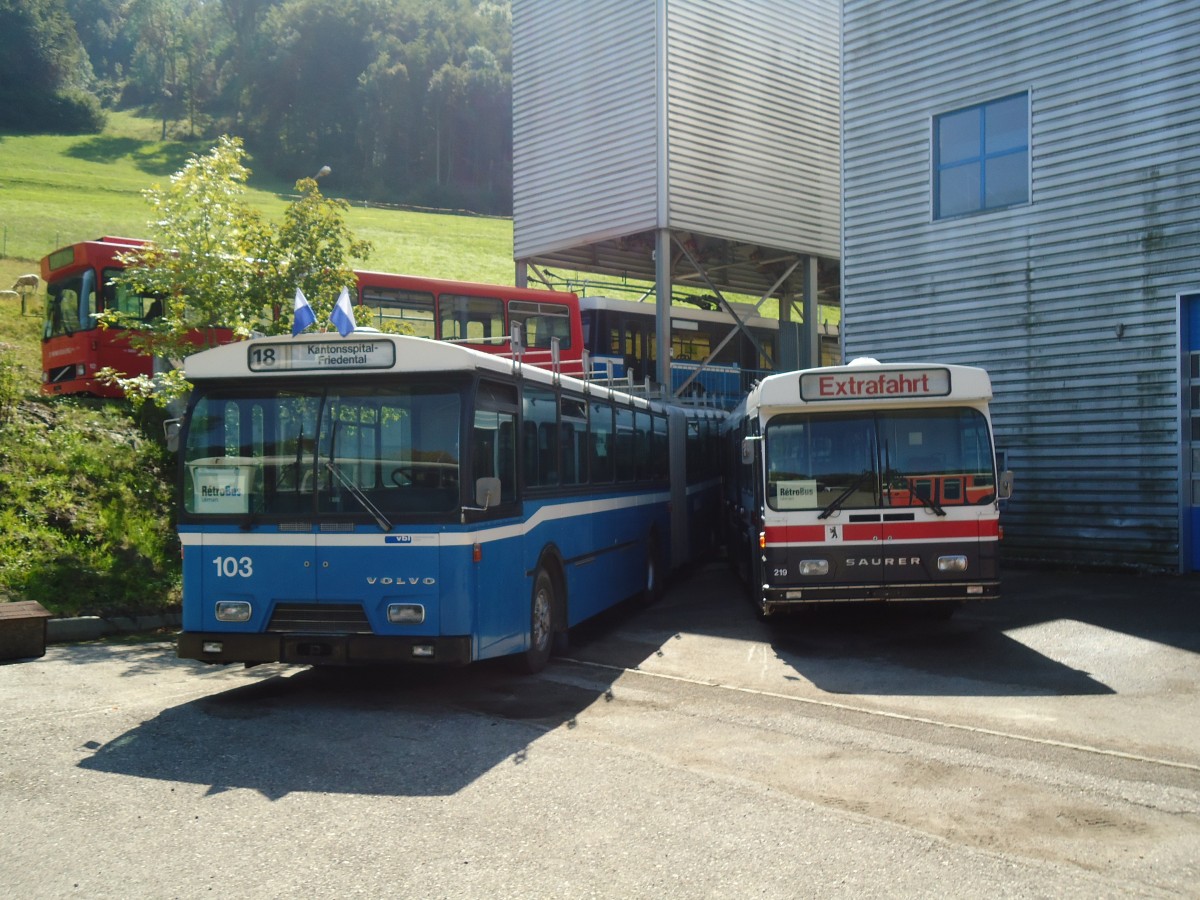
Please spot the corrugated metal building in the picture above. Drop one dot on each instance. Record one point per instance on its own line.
(1021, 190)
(708, 129)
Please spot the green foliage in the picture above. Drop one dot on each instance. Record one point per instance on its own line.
(45, 75)
(408, 100)
(214, 263)
(84, 526)
(202, 262)
(310, 251)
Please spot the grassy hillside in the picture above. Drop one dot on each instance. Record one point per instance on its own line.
(86, 505)
(56, 190)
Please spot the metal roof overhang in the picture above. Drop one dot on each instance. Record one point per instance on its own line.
(730, 266)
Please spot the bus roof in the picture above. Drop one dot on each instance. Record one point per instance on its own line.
(869, 382)
(369, 278)
(327, 353)
(647, 308)
(366, 353)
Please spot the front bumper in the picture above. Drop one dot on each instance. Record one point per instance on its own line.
(781, 599)
(323, 649)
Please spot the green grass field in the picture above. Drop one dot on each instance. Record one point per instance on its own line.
(55, 190)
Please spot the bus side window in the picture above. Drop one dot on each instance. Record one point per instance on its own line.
(540, 433)
(625, 461)
(660, 449)
(642, 457)
(492, 451)
(541, 322)
(401, 311)
(573, 416)
(478, 320)
(600, 433)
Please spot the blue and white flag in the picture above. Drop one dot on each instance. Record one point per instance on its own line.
(343, 316)
(302, 314)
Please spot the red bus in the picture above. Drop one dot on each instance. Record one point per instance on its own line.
(74, 348)
(480, 316)
(79, 285)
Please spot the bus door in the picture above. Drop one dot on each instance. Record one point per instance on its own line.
(492, 509)
(636, 346)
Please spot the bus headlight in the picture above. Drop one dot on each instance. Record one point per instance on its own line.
(814, 567)
(233, 611)
(952, 564)
(405, 613)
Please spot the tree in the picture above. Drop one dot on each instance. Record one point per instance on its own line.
(215, 263)
(310, 251)
(45, 76)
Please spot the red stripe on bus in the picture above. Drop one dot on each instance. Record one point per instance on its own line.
(899, 531)
(914, 531)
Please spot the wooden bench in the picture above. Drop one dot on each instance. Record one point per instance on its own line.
(22, 630)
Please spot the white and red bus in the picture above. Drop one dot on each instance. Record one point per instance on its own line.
(79, 286)
(866, 482)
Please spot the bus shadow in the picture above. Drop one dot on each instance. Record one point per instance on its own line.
(349, 731)
(903, 652)
(426, 732)
(851, 649)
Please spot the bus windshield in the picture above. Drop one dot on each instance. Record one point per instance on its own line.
(70, 302)
(927, 458)
(347, 451)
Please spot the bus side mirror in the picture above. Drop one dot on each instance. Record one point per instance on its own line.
(487, 492)
(171, 429)
(748, 450)
(1005, 488)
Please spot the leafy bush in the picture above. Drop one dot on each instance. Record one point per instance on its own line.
(66, 112)
(87, 526)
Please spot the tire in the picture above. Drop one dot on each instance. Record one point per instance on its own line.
(542, 605)
(754, 591)
(652, 587)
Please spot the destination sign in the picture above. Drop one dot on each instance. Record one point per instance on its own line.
(299, 356)
(874, 384)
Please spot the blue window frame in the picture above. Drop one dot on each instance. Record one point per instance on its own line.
(981, 157)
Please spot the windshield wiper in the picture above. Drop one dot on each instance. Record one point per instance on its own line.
(927, 502)
(356, 492)
(845, 495)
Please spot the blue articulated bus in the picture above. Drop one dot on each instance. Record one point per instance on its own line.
(389, 499)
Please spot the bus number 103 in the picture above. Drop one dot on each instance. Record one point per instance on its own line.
(234, 566)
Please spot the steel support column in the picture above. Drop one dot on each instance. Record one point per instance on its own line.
(662, 280)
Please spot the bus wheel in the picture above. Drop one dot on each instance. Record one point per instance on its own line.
(541, 625)
(652, 587)
(754, 589)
